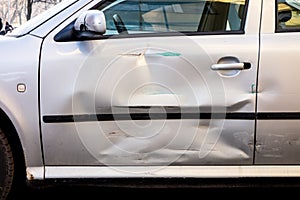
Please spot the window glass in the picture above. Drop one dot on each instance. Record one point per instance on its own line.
(160, 16)
(288, 15)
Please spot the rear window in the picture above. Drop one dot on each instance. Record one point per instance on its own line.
(288, 15)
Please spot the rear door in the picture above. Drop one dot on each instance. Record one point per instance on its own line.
(278, 126)
(176, 87)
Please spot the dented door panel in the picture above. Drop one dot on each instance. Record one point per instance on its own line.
(149, 100)
(171, 142)
(178, 143)
(168, 84)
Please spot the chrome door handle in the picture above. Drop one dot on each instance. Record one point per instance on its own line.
(231, 66)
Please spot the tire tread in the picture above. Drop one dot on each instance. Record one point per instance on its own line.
(8, 162)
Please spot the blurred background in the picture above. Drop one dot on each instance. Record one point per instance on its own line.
(16, 12)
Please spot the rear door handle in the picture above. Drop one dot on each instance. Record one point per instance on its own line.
(231, 66)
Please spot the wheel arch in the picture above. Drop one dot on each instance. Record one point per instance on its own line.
(13, 138)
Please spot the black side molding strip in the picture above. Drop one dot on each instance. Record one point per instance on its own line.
(145, 116)
(169, 116)
(279, 116)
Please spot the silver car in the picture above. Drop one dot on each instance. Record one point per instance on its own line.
(150, 89)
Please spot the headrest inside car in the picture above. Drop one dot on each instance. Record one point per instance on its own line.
(284, 16)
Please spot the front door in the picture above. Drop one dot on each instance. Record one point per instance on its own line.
(170, 83)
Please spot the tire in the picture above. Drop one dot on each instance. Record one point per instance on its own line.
(6, 167)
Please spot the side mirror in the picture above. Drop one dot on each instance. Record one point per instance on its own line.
(91, 22)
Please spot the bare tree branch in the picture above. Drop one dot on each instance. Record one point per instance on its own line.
(18, 11)
(29, 9)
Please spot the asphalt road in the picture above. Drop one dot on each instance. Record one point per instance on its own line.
(188, 188)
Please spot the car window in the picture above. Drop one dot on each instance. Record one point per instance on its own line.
(161, 16)
(288, 15)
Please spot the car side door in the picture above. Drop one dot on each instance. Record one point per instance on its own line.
(169, 83)
(278, 93)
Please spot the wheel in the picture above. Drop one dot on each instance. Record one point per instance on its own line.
(6, 167)
(121, 28)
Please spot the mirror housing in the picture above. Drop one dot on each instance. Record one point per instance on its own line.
(91, 21)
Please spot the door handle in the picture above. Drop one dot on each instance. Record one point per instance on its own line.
(231, 66)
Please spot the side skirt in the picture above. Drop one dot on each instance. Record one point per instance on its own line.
(99, 172)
